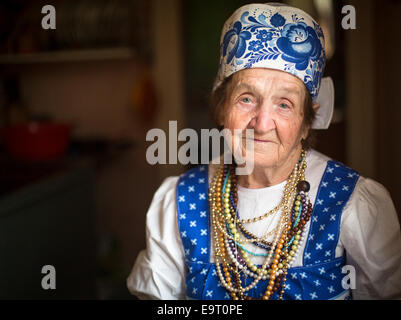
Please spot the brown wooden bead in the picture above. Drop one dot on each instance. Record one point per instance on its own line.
(303, 186)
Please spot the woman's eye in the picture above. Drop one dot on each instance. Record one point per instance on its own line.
(284, 106)
(246, 100)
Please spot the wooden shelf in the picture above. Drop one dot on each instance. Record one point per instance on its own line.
(69, 56)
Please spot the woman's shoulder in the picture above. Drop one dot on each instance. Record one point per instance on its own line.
(367, 187)
(317, 159)
(316, 156)
(167, 185)
(371, 192)
(165, 193)
(172, 186)
(199, 174)
(319, 162)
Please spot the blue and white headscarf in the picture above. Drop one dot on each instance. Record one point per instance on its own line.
(280, 37)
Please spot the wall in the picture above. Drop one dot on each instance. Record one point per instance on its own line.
(388, 104)
(373, 103)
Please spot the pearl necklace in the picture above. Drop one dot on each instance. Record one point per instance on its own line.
(287, 235)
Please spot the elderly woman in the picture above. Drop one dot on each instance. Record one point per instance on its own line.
(299, 225)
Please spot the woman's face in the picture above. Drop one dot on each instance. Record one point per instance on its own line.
(271, 103)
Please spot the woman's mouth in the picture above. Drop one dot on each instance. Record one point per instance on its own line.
(258, 140)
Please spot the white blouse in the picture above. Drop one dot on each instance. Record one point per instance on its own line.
(369, 233)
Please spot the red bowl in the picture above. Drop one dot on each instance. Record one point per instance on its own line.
(36, 141)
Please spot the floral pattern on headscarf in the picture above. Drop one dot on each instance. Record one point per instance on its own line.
(287, 40)
(234, 42)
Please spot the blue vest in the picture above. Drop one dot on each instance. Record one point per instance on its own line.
(320, 275)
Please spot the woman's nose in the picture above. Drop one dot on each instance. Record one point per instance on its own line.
(263, 120)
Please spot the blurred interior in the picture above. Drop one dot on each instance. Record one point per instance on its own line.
(76, 104)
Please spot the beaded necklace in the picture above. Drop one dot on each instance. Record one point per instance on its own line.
(230, 233)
